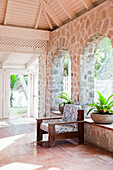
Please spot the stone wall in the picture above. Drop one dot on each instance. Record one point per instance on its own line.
(73, 37)
(99, 136)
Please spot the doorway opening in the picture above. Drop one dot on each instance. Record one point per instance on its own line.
(18, 96)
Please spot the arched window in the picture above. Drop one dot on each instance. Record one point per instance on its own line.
(104, 69)
(67, 75)
(61, 76)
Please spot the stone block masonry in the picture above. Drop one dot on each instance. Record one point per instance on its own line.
(99, 135)
(74, 36)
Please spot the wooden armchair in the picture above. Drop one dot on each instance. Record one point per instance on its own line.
(71, 126)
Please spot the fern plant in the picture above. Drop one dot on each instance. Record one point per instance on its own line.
(103, 105)
(65, 97)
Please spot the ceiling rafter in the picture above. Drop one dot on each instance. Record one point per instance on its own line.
(50, 12)
(46, 16)
(88, 4)
(48, 20)
(28, 64)
(4, 60)
(38, 17)
(6, 11)
(66, 8)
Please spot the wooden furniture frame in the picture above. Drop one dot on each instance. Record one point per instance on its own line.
(59, 136)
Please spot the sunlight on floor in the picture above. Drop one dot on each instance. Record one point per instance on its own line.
(54, 168)
(23, 121)
(3, 124)
(20, 166)
(5, 142)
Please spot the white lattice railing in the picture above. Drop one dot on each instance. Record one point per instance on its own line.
(67, 85)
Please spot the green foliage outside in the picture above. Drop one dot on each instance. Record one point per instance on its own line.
(102, 106)
(13, 79)
(66, 62)
(103, 51)
(15, 84)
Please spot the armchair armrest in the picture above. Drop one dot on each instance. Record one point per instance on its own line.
(48, 118)
(63, 123)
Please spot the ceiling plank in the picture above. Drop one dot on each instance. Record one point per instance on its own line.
(66, 8)
(38, 18)
(30, 61)
(6, 12)
(50, 12)
(4, 60)
(88, 4)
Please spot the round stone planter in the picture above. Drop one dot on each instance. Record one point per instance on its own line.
(102, 118)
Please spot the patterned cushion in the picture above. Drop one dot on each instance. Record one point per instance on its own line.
(71, 113)
(59, 128)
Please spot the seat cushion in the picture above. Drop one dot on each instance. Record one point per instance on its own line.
(59, 128)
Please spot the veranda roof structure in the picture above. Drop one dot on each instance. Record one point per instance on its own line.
(37, 15)
(43, 14)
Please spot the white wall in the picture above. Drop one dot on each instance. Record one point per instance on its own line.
(4, 94)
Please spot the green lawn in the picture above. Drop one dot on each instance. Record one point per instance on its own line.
(17, 112)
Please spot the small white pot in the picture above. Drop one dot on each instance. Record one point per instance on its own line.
(102, 118)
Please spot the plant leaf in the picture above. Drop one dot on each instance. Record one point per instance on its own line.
(101, 99)
(109, 98)
(90, 110)
(65, 94)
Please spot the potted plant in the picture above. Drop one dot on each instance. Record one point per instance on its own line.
(67, 100)
(103, 112)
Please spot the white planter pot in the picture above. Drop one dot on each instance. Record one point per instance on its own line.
(101, 118)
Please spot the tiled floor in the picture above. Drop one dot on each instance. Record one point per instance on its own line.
(18, 151)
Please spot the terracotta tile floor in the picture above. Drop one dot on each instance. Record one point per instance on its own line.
(18, 151)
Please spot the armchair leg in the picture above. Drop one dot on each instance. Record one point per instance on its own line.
(39, 131)
(81, 134)
(81, 127)
(51, 133)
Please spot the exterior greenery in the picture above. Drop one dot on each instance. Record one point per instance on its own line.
(103, 105)
(103, 51)
(65, 97)
(15, 85)
(13, 79)
(66, 63)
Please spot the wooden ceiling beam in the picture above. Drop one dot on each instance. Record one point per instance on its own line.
(46, 15)
(38, 18)
(50, 12)
(6, 11)
(17, 32)
(66, 8)
(88, 4)
(48, 20)
(30, 62)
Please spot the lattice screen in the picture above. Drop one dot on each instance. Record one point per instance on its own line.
(20, 45)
